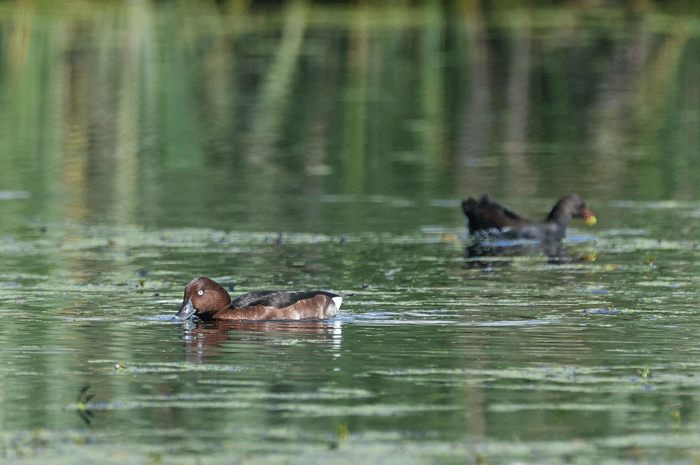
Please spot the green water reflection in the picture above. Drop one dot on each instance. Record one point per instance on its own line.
(144, 112)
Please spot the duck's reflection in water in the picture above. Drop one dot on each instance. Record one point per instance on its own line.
(205, 340)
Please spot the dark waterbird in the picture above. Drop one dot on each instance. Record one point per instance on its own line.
(206, 299)
(490, 217)
(488, 220)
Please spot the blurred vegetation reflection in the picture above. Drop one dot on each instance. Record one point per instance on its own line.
(130, 110)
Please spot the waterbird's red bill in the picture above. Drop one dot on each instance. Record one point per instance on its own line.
(588, 217)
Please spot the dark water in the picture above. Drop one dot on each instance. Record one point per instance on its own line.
(311, 146)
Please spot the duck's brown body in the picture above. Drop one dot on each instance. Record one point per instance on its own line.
(487, 216)
(206, 299)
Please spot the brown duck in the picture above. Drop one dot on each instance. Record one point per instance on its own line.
(208, 300)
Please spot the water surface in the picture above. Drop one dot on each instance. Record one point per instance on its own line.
(430, 360)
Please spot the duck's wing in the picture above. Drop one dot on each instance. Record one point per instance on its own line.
(279, 299)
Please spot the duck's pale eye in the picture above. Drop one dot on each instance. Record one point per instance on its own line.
(200, 292)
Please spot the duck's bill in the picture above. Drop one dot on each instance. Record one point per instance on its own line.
(589, 218)
(186, 311)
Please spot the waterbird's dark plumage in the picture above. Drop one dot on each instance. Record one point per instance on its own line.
(489, 217)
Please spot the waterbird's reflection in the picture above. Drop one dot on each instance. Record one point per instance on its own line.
(204, 340)
(499, 247)
(483, 250)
